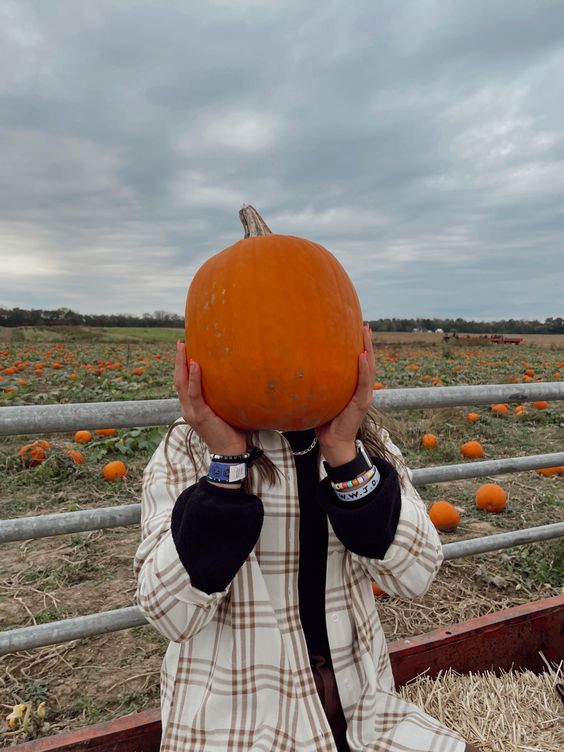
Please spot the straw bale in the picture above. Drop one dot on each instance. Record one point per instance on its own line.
(515, 711)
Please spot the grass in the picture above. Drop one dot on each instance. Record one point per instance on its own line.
(48, 614)
(55, 576)
(91, 334)
(37, 691)
(150, 634)
(85, 708)
(140, 334)
(539, 563)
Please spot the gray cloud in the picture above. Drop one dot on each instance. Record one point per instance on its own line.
(421, 142)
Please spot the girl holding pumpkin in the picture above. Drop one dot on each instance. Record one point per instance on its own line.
(257, 554)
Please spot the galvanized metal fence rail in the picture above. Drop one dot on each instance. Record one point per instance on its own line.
(63, 523)
(55, 418)
(128, 414)
(53, 633)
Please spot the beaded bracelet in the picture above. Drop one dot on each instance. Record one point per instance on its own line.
(359, 493)
(230, 457)
(249, 458)
(358, 481)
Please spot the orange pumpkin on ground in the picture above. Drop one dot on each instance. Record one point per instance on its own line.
(547, 471)
(76, 456)
(472, 417)
(540, 405)
(472, 450)
(378, 590)
(275, 324)
(114, 470)
(500, 409)
(491, 498)
(105, 432)
(444, 515)
(32, 454)
(83, 437)
(429, 441)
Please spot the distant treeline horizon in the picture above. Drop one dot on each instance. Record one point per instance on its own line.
(12, 317)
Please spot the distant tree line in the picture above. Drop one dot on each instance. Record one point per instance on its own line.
(552, 325)
(67, 317)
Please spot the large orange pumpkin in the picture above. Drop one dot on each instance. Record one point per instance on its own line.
(472, 450)
(429, 441)
(444, 515)
(276, 326)
(491, 498)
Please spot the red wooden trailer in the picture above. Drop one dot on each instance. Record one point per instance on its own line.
(507, 639)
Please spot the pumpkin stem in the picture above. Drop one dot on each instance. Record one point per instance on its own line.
(253, 223)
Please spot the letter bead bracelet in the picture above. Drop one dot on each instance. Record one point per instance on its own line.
(358, 481)
(360, 491)
(363, 484)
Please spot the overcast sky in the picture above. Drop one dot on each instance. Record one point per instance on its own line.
(421, 141)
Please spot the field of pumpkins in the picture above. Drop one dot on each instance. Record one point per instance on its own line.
(100, 678)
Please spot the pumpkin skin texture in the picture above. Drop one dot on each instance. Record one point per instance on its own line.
(444, 515)
(472, 450)
(276, 326)
(377, 590)
(429, 441)
(491, 498)
(114, 470)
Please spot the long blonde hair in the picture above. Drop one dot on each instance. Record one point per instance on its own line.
(370, 433)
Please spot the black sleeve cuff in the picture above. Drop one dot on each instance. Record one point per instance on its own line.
(214, 530)
(348, 471)
(366, 527)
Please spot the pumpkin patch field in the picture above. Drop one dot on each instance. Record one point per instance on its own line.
(100, 678)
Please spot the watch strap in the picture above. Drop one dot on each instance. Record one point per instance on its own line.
(360, 464)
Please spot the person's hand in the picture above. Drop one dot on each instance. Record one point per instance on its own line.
(336, 438)
(219, 436)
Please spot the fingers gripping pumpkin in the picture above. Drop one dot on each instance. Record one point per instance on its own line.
(276, 325)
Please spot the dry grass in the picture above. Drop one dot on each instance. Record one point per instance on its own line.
(464, 589)
(512, 712)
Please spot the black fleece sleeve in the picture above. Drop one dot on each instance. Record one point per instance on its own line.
(368, 526)
(214, 530)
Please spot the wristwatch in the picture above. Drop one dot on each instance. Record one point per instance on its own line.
(360, 464)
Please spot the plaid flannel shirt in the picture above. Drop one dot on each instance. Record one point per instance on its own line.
(236, 675)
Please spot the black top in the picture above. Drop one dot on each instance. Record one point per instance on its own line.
(213, 538)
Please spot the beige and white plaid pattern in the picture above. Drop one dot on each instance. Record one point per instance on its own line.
(236, 675)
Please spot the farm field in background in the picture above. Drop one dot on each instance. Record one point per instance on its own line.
(543, 340)
(40, 581)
